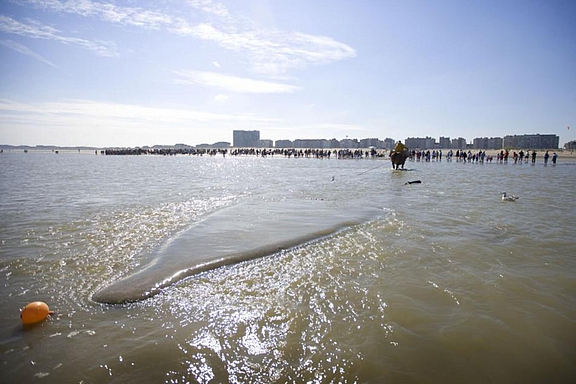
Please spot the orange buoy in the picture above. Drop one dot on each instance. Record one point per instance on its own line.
(35, 312)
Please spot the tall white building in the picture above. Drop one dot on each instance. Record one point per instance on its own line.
(246, 139)
(532, 141)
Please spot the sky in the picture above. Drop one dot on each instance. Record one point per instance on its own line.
(135, 73)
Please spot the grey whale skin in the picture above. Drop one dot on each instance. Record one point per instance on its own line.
(241, 232)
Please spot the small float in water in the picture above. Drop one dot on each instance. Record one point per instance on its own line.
(505, 197)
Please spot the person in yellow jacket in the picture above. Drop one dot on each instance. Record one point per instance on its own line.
(399, 148)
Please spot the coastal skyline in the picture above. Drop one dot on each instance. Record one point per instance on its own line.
(126, 73)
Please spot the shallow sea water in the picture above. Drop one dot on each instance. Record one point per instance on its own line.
(446, 283)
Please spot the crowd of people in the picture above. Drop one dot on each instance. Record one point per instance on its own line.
(420, 155)
(261, 152)
(165, 151)
(480, 156)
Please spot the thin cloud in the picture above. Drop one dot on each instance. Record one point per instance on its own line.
(25, 51)
(221, 98)
(106, 11)
(273, 52)
(270, 52)
(217, 64)
(233, 83)
(37, 30)
(211, 7)
(75, 110)
(114, 111)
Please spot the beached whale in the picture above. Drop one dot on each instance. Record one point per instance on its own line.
(252, 229)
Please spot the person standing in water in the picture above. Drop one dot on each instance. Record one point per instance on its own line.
(533, 157)
(554, 158)
(546, 156)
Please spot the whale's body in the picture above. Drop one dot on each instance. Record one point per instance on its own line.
(245, 231)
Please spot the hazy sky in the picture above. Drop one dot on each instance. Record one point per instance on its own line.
(133, 73)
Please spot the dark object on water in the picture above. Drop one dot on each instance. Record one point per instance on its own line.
(413, 182)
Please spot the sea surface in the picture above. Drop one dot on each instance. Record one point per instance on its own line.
(442, 283)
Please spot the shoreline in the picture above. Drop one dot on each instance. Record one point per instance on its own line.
(382, 153)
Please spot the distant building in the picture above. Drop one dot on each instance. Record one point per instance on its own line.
(571, 145)
(480, 143)
(444, 142)
(415, 143)
(333, 143)
(531, 141)
(420, 142)
(459, 143)
(265, 143)
(487, 143)
(389, 143)
(537, 141)
(349, 143)
(311, 143)
(371, 142)
(284, 144)
(495, 143)
(246, 138)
